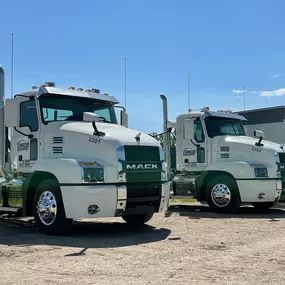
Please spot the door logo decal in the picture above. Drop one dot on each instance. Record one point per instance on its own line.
(23, 145)
(188, 151)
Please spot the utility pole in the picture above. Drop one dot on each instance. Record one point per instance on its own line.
(125, 83)
(244, 98)
(12, 67)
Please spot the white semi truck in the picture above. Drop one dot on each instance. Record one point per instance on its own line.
(64, 156)
(217, 163)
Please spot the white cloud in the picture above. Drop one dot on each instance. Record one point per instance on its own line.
(276, 75)
(236, 91)
(273, 93)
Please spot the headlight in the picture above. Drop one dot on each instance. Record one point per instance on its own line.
(93, 174)
(260, 172)
(92, 171)
(276, 157)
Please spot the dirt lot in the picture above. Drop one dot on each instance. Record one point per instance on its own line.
(189, 246)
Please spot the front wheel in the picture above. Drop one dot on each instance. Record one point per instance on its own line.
(222, 194)
(49, 210)
(263, 206)
(137, 219)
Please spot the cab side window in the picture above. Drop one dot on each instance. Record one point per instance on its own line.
(28, 115)
(198, 131)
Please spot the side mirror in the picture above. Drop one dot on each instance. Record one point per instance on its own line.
(188, 129)
(124, 118)
(258, 134)
(90, 117)
(12, 113)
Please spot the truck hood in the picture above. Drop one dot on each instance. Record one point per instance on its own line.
(267, 145)
(115, 135)
(243, 148)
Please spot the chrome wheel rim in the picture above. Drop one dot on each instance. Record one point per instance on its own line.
(47, 208)
(221, 195)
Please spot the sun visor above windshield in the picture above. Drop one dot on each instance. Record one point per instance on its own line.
(224, 115)
(83, 94)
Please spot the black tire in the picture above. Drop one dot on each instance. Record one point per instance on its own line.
(228, 204)
(263, 206)
(56, 223)
(138, 220)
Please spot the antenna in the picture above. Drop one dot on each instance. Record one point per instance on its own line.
(188, 92)
(12, 67)
(244, 98)
(125, 83)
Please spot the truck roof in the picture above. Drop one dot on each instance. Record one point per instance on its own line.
(215, 114)
(68, 92)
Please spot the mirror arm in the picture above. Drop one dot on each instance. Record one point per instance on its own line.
(30, 136)
(121, 107)
(259, 142)
(168, 131)
(96, 131)
(196, 144)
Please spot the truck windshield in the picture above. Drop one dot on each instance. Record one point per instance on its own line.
(217, 126)
(67, 108)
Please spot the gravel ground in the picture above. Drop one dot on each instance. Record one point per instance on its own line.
(189, 245)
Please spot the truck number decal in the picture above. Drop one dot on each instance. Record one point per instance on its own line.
(258, 149)
(94, 140)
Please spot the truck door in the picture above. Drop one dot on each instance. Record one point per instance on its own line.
(25, 145)
(194, 148)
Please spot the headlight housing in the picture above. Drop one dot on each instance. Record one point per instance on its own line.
(261, 172)
(93, 175)
(92, 171)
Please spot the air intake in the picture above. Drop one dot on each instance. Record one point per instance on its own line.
(57, 139)
(57, 149)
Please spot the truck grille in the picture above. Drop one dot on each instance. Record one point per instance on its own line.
(143, 198)
(282, 157)
(142, 163)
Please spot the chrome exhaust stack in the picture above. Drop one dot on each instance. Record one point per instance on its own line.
(2, 124)
(166, 135)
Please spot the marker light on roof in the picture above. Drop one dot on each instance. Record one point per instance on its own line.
(106, 94)
(72, 88)
(94, 90)
(88, 90)
(80, 89)
(50, 84)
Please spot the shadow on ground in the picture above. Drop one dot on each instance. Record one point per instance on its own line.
(246, 212)
(84, 235)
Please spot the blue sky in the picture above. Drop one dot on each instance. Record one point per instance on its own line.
(224, 45)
